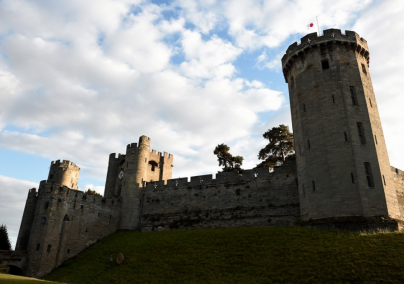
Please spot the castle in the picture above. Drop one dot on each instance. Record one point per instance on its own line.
(341, 176)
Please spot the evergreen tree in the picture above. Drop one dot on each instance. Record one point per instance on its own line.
(280, 146)
(226, 160)
(5, 243)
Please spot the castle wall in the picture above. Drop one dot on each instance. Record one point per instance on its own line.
(65, 222)
(270, 199)
(398, 183)
(27, 219)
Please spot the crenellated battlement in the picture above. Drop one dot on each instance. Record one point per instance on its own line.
(311, 41)
(221, 178)
(65, 164)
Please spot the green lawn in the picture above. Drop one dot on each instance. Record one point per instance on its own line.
(12, 279)
(240, 255)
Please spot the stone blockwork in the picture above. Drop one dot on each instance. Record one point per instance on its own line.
(398, 182)
(65, 222)
(257, 198)
(342, 162)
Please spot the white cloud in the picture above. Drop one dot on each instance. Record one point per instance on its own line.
(13, 196)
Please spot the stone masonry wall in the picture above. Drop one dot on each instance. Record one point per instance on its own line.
(270, 199)
(398, 181)
(66, 222)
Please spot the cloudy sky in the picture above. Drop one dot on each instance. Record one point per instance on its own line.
(81, 79)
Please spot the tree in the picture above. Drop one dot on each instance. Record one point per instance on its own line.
(5, 243)
(226, 160)
(92, 192)
(279, 147)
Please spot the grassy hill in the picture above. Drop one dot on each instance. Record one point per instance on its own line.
(240, 255)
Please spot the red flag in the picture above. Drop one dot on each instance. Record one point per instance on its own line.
(310, 25)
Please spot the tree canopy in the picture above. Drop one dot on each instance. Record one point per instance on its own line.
(280, 146)
(5, 243)
(92, 192)
(226, 160)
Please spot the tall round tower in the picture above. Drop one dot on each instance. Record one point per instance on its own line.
(135, 168)
(65, 173)
(342, 162)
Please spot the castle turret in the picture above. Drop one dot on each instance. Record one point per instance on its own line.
(342, 162)
(65, 173)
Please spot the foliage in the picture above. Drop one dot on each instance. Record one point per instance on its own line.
(240, 255)
(279, 147)
(5, 243)
(92, 192)
(226, 160)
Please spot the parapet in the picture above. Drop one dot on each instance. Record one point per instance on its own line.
(222, 178)
(330, 35)
(64, 164)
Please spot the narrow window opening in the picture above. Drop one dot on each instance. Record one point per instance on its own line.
(72, 185)
(74, 205)
(300, 150)
(82, 207)
(145, 160)
(369, 177)
(38, 246)
(304, 191)
(361, 133)
(333, 99)
(110, 216)
(324, 64)
(364, 69)
(98, 214)
(384, 180)
(376, 139)
(308, 143)
(370, 102)
(127, 164)
(346, 137)
(49, 248)
(352, 178)
(304, 107)
(353, 96)
(68, 251)
(46, 205)
(396, 171)
(51, 176)
(43, 221)
(314, 185)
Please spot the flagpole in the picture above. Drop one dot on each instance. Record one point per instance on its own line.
(318, 28)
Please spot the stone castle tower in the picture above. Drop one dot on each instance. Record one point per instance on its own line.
(127, 174)
(343, 167)
(65, 173)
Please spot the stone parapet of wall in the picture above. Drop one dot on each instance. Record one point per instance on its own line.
(256, 198)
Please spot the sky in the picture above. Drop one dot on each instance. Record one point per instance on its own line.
(82, 79)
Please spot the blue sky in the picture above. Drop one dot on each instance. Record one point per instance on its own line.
(81, 79)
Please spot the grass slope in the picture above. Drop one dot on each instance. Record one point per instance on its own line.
(13, 279)
(240, 255)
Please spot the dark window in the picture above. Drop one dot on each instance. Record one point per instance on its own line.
(369, 177)
(300, 150)
(333, 99)
(119, 190)
(72, 185)
(46, 205)
(38, 246)
(352, 178)
(43, 221)
(346, 137)
(384, 180)
(49, 248)
(324, 64)
(314, 185)
(353, 96)
(51, 176)
(308, 143)
(361, 133)
(68, 250)
(81, 207)
(98, 214)
(376, 139)
(370, 102)
(364, 69)
(304, 191)
(59, 200)
(304, 107)
(396, 171)
(153, 165)
(74, 205)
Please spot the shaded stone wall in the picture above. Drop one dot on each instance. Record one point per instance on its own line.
(66, 222)
(270, 199)
(398, 183)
